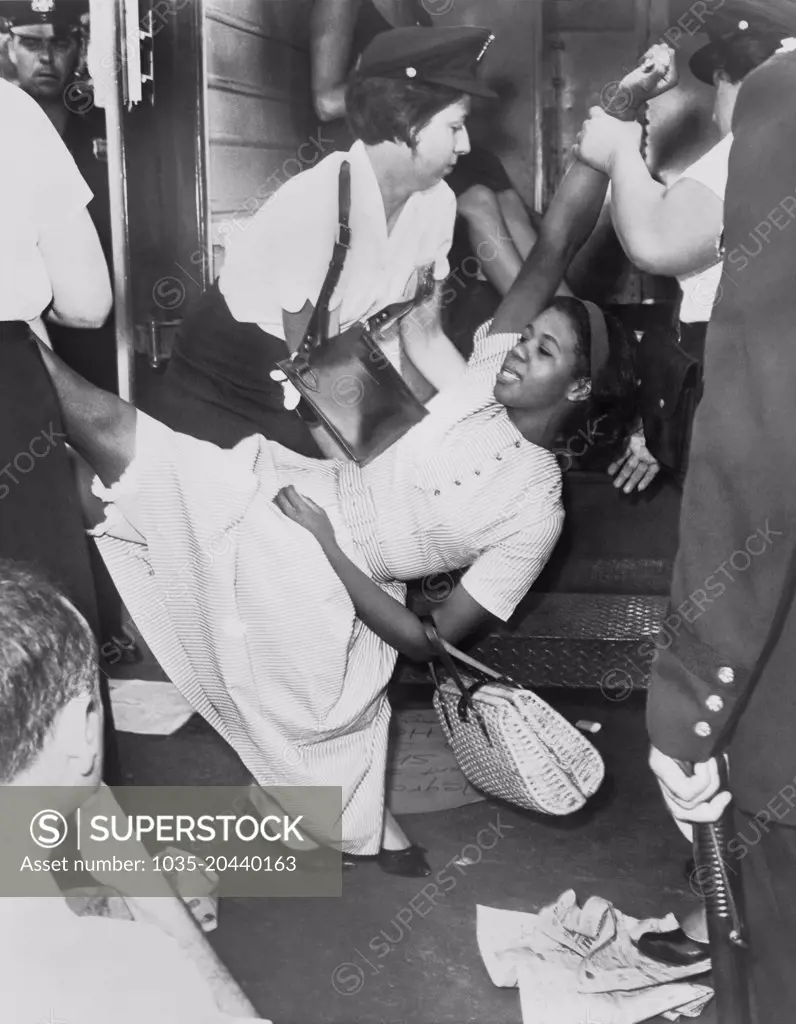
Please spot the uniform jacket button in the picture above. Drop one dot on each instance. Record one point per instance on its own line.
(517, 444)
(702, 729)
(726, 675)
(715, 703)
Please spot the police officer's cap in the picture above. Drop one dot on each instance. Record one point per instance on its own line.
(770, 21)
(61, 14)
(438, 56)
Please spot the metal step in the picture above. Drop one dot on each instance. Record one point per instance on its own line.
(615, 667)
(575, 641)
(590, 617)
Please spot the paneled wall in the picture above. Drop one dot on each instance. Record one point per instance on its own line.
(260, 125)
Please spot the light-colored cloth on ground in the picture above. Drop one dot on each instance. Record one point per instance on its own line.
(247, 617)
(579, 965)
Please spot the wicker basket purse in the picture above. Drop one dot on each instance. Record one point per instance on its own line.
(510, 744)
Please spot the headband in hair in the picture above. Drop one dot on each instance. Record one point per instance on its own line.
(598, 343)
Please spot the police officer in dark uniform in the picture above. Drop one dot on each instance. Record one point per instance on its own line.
(723, 673)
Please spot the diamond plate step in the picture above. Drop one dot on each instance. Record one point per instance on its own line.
(616, 667)
(590, 617)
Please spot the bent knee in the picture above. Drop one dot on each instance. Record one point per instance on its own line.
(478, 201)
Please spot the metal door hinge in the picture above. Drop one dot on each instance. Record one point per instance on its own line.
(156, 340)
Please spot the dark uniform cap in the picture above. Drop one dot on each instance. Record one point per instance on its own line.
(438, 56)
(767, 20)
(63, 14)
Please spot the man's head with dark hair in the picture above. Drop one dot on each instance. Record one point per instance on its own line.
(50, 712)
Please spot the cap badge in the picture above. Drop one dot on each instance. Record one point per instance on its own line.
(743, 25)
(411, 72)
(42, 6)
(485, 47)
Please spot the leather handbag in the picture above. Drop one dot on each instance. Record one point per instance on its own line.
(669, 392)
(346, 382)
(509, 743)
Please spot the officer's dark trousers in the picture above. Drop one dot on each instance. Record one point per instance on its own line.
(41, 522)
(768, 872)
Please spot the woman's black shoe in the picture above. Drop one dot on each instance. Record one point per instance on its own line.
(408, 863)
(674, 948)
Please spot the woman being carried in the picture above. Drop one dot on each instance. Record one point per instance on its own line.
(271, 586)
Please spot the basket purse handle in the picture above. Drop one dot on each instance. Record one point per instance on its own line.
(466, 700)
(318, 328)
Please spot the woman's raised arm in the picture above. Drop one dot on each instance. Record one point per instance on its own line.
(576, 206)
(569, 221)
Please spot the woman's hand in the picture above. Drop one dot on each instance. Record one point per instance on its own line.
(306, 513)
(655, 74)
(602, 137)
(635, 469)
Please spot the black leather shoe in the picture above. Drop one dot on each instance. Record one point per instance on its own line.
(674, 948)
(408, 863)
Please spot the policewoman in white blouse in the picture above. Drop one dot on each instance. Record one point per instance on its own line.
(271, 587)
(408, 100)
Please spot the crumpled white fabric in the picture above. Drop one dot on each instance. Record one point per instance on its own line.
(578, 965)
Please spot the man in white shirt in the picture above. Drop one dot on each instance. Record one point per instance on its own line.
(56, 965)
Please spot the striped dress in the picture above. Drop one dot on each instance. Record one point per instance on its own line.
(252, 624)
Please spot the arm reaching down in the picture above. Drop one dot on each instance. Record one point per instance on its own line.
(430, 349)
(332, 33)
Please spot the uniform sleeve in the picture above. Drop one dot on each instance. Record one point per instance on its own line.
(43, 165)
(711, 169)
(739, 500)
(501, 576)
(52, 171)
(278, 260)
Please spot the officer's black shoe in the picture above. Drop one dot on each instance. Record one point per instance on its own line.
(674, 948)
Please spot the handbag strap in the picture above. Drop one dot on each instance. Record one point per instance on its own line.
(466, 700)
(318, 328)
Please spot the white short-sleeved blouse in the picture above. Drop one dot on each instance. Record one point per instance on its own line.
(40, 185)
(278, 260)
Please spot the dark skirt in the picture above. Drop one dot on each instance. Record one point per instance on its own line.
(41, 519)
(217, 388)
